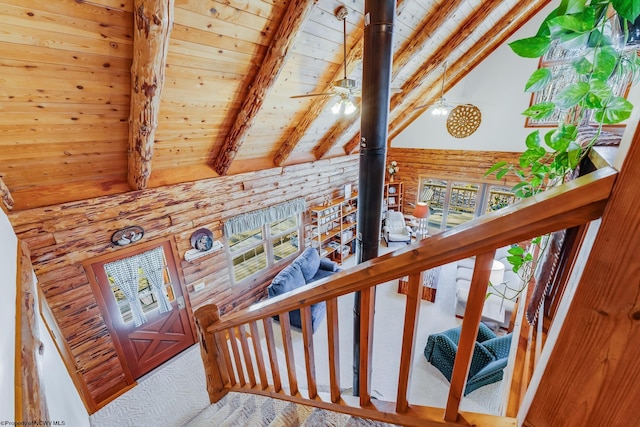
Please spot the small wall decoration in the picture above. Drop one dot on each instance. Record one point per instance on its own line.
(202, 240)
(203, 244)
(127, 235)
(463, 120)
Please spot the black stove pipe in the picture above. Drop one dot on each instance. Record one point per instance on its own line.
(374, 124)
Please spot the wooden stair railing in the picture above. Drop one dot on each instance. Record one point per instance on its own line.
(230, 367)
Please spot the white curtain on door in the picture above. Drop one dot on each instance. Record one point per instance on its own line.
(125, 274)
(152, 264)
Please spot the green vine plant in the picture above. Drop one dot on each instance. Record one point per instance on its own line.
(600, 31)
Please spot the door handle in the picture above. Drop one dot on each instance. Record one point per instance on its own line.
(181, 304)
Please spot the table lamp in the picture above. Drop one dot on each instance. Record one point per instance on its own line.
(421, 213)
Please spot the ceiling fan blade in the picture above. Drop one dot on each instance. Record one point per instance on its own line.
(312, 94)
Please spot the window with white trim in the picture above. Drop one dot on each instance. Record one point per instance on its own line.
(261, 239)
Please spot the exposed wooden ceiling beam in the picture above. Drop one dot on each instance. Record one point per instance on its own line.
(417, 42)
(515, 18)
(400, 60)
(153, 21)
(297, 13)
(5, 195)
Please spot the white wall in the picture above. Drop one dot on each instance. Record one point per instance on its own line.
(496, 87)
(62, 398)
(8, 267)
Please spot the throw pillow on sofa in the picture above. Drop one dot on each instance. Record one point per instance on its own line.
(308, 262)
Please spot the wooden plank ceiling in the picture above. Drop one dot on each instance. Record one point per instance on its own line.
(108, 96)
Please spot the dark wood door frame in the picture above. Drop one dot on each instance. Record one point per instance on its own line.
(104, 305)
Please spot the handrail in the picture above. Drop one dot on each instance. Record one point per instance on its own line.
(574, 203)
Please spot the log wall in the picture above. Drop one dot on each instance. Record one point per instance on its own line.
(62, 237)
(459, 164)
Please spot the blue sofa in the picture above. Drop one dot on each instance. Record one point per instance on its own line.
(306, 268)
(490, 355)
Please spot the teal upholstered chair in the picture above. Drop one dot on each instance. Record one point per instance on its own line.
(490, 355)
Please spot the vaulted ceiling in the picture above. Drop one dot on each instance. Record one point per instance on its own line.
(109, 96)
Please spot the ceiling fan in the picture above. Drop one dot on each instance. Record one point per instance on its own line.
(347, 88)
(442, 107)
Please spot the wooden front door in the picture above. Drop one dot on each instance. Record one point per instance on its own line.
(163, 332)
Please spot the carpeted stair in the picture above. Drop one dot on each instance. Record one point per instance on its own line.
(249, 410)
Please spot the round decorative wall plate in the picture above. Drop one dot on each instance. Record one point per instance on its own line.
(463, 120)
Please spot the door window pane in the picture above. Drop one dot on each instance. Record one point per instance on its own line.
(462, 203)
(146, 295)
(499, 197)
(434, 192)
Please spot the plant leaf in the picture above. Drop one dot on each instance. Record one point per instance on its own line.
(540, 110)
(629, 10)
(538, 80)
(532, 47)
(580, 23)
(571, 95)
(502, 173)
(617, 110)
(574, 151)
(495, 167)
(605, 63)
(583, 66)
(533, 139)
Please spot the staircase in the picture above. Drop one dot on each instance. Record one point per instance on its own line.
(249, 410)
(235, 364)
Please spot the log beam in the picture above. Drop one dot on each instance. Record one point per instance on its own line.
(297, 13)
(153, 22)
(30, 402)
(5, 196)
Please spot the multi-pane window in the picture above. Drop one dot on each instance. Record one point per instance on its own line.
(256, 250)
(453, 202)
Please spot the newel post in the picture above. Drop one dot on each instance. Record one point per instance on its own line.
(213, 363)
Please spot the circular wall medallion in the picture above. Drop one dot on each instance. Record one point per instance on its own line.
(463, 120)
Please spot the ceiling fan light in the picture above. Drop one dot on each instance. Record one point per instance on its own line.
(344, 105)
(349, 108)
(441, 108)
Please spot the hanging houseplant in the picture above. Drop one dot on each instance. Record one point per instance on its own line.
(600, 31)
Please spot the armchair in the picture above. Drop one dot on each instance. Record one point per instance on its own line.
(395, 229)
(490, 355)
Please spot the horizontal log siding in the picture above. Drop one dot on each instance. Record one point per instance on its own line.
(416, 162)
(61, 237)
